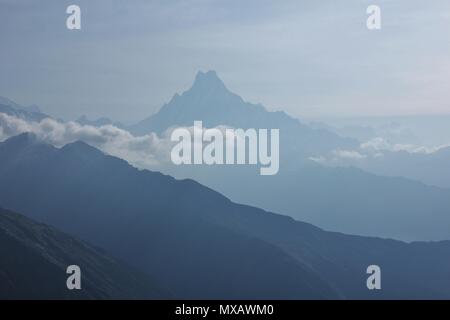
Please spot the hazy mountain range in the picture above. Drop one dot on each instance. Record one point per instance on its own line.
(340, 199)
(150, 220)
(431, 168)
(344, 199)
(31, 109)
(196, 242)
(421, 129)
(10, 108)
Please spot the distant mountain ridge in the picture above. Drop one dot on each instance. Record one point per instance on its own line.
(430, 168)
(197, 242)
(103, 121)
(30, 113)
(8, 102)
(22, 114)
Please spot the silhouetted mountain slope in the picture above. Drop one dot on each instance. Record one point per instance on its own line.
(35, 258)
(145, 219)
(197, 242)
(418, 270)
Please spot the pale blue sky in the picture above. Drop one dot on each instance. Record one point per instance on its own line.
(308, 58)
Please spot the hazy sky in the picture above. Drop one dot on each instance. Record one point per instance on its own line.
(309, 58)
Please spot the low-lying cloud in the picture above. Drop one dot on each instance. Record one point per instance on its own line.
(149, 151)
(146, 151)
(375, 148)
(380, 144)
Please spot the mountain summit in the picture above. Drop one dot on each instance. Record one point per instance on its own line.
(210, 101)
(207, 82)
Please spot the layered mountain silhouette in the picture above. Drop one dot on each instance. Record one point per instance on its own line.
(198, 243)
(35, 258)
(346, 199)
(149, 220)
(340, 199)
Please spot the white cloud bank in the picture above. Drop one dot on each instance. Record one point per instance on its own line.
(146, 151)
(152, 151)
(149, 151)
